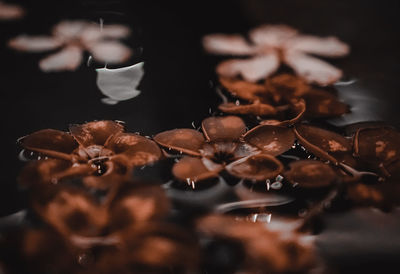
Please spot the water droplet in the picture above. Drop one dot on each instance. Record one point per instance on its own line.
(89, 61)
(193, 125)
(279, 178)
(276, 185)
(54, 181)
(85, 258)
(237, 102)
(302, 212)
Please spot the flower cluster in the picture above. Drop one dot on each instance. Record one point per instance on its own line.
(267, 148)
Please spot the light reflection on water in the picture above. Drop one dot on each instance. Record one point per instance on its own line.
(364, 104)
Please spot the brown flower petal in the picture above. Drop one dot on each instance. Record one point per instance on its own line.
(95, 133)
(50, 141)
(253, 69)
(257, 109)
(310, 174)
(190, 169)
(271, 251)
(377, 145)
(40, 172)
(322, 143)
(257, 167)
(270, 139)
(71, 211)
(292, 115)
(186, 140)
(142, 203)
(223, 128)
(243, 89)
(286, 86)
(227, 44)
(322, 104)
(313, 70)
(137, 149)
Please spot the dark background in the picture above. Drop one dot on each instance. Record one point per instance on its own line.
(177, 86)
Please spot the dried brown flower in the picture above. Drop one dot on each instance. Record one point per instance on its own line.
(100, 151)
(224, 144)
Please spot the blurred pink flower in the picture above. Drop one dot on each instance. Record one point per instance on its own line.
(10, 12)
(271, 45)
(74, 37)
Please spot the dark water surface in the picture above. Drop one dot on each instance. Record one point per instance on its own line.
(177, 88)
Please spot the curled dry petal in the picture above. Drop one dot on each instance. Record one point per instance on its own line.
(377, 145)
(322, 143)
(223, 128)
(49, 140)
(110, 52)
(322, 104)
(286, 86)
(143, 203)
(258, 109)
(270, 139)
(252, 69)
(290, 116)
(227, 44)
(271, 35)
(310, 174)
(69, 58)
(190, 169)
(95, 133)
(71, 211)
(137, 149)
(313, 70)
(257, 167)
(322, 46)
(34, 43)
(243, 89)
(188, 141)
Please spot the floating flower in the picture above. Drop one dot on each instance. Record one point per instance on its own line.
(284, 97)
(224, 144)
(75, 37)
(272, 45)
(10, 12)
(98, 150)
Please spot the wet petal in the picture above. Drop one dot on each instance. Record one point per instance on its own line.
(377, 145)
(292, 115)
(68, 58)
(49, 139)
(271, 35)
(36, 173)
(322, 46)
(223, 128)
(312, 69)
(137, 149)
(190, 169)
(227, 44)
(110, 52)
(243, 89)
(95, 133)
(310, 174)
(71, 211)
(186, 140)
(138, 204)
(270, 139)
(252, 69)
(322, 104)
(321, 142)
(256, 109)
(257, 167)
(286, 86)
(34, 43)
(9, 11)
